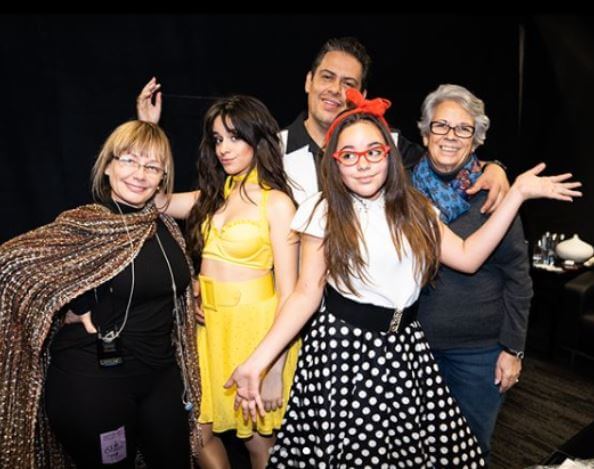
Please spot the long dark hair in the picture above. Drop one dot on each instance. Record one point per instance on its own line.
(252, 123)
(409, 215)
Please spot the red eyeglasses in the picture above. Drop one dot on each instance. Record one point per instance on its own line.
(372, 155)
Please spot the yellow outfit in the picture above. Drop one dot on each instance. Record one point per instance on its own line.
(237, 317)
(244, 242)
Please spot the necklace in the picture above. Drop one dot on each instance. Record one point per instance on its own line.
(364, 208)
(112, 335)
(177, 309)
(365, 205)
(177, 312)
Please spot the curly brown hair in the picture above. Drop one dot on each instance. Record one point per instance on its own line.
(253, 123)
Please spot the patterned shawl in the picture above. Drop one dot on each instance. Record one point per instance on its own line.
(42, 271)
(448, 194)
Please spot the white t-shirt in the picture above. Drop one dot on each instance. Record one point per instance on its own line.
(391, 282)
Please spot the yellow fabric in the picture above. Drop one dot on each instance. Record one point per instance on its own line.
(232, 181)
(243, 242)
(237, 316)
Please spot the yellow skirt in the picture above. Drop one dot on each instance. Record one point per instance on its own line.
(237, 317)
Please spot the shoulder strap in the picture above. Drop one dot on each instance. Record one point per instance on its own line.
(263, 204)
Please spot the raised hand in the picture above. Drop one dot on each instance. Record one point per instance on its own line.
(145, 109)
(532, 186)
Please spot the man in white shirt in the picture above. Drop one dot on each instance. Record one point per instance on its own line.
(340, 64)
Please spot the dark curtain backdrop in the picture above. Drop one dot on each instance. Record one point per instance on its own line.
(557, 124)
(67, 81)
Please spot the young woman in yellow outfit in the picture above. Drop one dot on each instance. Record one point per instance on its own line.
(238, 224)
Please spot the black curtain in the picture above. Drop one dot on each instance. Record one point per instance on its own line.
(557, 124)
(69, 80)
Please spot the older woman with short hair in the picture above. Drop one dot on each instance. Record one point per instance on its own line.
(475, 324)
(125, 375)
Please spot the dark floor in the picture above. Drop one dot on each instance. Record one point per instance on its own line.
(551, 403)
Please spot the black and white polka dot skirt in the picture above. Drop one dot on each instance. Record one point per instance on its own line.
(371, 399)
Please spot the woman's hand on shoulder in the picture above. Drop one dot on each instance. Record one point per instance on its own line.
(495, 181)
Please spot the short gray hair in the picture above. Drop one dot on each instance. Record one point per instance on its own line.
(460, 95)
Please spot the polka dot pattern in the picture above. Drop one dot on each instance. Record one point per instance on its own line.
(371, 399)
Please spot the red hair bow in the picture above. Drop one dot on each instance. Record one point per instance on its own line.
(376, 107)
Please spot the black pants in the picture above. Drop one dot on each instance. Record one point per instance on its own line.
(95, 418)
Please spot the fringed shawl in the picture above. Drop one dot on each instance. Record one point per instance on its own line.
(42, 271)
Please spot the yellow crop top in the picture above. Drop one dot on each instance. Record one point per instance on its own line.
(243, 242)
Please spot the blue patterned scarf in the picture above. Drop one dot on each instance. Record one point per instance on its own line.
(449, 195)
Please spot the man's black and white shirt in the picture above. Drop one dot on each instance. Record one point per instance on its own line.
(302, 155)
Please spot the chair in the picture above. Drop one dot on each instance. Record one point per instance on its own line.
(576, 326)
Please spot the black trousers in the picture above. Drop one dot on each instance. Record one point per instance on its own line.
(101, 422)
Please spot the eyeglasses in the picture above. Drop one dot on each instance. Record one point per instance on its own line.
(351, 157)
(131, 165)
(443, 128)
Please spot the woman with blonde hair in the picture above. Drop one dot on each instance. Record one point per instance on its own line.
(124, 377)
